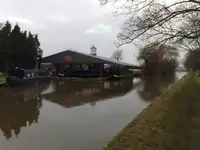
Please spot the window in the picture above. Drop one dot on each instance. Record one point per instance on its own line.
(67, 66)
(78, 67)
(106, 66)
(85, 67)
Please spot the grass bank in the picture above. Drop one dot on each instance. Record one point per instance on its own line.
(172, 121)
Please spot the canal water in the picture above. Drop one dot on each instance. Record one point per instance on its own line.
(73, 115)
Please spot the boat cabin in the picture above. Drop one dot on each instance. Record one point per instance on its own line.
(27, 74)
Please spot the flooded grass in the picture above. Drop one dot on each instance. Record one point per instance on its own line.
(172, 121)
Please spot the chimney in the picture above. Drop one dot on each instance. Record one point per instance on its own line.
(93, 51)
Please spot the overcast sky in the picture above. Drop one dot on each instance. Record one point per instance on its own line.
(64, 24)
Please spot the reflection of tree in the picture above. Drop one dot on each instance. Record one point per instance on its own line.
(153, 86)
(20, 110)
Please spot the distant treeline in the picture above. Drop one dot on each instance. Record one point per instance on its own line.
(18, 48)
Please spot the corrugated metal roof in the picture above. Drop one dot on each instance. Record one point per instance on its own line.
(108, 60)
(93, 58)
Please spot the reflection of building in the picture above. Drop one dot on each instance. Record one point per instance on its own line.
(18, 111)
(74, 93)
(76, 64)
(92, 104)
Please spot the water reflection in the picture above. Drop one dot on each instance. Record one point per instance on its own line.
(152, 87)
(104, 108)
(19, 109)
(69, 94)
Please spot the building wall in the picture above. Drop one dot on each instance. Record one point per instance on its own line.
(93, 70)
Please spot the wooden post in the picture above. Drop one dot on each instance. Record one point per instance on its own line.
(101, 70)
(57, 68)
(70, 70)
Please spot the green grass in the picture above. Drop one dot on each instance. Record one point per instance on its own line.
(171, 122)
(2, 79)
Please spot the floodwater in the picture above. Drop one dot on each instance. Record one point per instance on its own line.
(72, 115)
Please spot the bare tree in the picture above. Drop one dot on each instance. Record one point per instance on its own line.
(1, 25)
(158, 53)
(157, 22)
(192, 60)
(158, 59)
(117, 55)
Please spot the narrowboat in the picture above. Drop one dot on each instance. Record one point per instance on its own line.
(22, 77)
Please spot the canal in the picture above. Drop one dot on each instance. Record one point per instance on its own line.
(72, 115)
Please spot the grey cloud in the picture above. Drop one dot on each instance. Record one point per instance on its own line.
(63, 24)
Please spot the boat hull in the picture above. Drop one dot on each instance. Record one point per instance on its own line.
(13, 81)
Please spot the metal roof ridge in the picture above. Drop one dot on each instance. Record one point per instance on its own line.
(102, 57)
(56, 53)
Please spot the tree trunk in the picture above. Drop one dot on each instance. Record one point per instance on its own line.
(7, 66)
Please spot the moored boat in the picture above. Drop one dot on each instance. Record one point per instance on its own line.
(21, 77)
